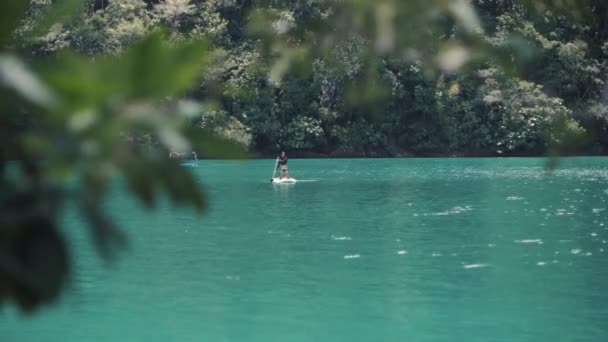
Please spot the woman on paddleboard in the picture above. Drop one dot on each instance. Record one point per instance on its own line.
(282, 159)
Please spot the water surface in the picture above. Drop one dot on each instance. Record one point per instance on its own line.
(364, 250)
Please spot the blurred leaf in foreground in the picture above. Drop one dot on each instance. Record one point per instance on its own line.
(69, 115)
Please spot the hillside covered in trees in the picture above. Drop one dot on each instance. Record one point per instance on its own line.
(534, 81)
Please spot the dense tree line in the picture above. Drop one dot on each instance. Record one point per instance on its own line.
(328, 103)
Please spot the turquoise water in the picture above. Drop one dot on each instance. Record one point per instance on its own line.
(364, 250)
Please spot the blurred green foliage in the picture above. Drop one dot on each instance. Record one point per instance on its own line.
(66, 114)
(100, 88)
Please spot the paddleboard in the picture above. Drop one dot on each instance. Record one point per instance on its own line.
(284, 180)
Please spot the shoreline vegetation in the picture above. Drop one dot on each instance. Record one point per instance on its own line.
(402, 155)
(528, 82)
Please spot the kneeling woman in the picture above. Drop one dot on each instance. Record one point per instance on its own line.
(283, 163)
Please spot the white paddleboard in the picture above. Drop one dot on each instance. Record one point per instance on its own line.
(284, 180)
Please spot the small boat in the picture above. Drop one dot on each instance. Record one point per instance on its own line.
(283, 180)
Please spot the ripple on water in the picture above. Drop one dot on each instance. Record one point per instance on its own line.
(341, 238)
(352, 256)
(402, 252)
(470, 266)
(529, 241)
(454, 211)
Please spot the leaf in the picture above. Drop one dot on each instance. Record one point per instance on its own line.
(464, 12)
(147, 178)
(35, 263)
(106, 235)
(180, 185)
(14, 74)
(213, 145)
(11, 13)
(453, 57)
(83, 83)
(385, 27)
(158, 69)
(150, 69)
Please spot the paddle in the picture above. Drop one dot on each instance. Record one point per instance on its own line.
(275, 169)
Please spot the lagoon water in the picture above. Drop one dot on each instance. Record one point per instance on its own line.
(363, 250)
